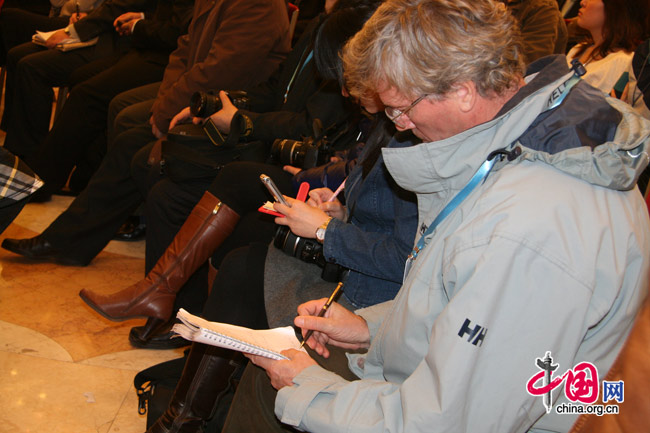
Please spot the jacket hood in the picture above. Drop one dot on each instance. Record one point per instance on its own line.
(589, 136)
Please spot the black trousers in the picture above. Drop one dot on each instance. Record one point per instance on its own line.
(237, 295)
(78, 136)
(119, 186)
(32, 71)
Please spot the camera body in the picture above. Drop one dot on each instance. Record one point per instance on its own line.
(204, 104)
(304, 154)
(307, 250)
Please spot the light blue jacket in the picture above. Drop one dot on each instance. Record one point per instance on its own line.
(536, 259)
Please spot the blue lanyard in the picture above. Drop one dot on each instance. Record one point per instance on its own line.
(478, 177)
(556, 98)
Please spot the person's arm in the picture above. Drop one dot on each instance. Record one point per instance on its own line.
(506, 288)
(243, 37)
(326, 104)
(162, 30)
(380, 255)
(329, 175)
(101, 19)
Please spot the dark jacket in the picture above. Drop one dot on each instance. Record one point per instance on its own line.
(542, 26)
(160, 30)
(308, 97)
(101, 19)
(229, 45)
(155, 36)
(379, 232)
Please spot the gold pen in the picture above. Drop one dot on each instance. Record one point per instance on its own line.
(322, 311)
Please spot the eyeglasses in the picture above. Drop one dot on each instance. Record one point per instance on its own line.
(395, 113)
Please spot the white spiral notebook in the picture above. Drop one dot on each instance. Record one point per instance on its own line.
(264, 342)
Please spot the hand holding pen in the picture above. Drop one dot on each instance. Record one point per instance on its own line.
(327, 201)
(337, 327)
(323, 310)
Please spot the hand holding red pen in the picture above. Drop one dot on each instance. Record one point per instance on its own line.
(322, 198)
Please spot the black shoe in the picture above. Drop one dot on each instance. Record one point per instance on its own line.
(37, 248)
(162, 339)
(131, 230)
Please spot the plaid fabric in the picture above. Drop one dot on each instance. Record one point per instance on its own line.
(17, 180)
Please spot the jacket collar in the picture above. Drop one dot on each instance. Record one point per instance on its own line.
(448, 164)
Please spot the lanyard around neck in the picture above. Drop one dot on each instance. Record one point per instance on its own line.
(478, 177)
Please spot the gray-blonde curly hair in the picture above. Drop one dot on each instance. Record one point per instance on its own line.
(427, 46)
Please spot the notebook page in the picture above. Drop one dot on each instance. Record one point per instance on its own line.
(265, 342)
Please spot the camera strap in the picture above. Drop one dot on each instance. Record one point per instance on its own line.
(299, 68)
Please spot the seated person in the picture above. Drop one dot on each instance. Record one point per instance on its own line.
(18, 25)
(615, 29)
(32, 71)
(178, 245)
(545, 250)
(78, 135)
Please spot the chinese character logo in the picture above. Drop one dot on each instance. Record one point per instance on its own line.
(581, 382)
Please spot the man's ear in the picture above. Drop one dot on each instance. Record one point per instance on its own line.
(466, 96)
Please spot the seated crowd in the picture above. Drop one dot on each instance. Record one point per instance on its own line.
(489, 214)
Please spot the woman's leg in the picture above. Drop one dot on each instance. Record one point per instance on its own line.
(211, 221)
(237, 297)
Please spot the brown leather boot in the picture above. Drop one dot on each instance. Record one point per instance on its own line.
(209, 224)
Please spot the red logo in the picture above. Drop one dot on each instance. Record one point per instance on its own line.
(581, 382)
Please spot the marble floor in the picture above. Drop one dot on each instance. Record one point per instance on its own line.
(65, 368)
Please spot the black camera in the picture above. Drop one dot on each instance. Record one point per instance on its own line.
(303, 154)
(307, 250)
(308, 153)
(203, 104)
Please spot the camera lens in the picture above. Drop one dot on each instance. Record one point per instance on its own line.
(203, 104)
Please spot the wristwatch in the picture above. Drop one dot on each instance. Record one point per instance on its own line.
(320, 231)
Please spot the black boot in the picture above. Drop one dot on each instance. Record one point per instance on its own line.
(206, 378)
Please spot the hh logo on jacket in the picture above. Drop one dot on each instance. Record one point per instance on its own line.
(476, 334)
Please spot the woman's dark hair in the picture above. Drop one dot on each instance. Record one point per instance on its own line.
(345, 20)
(625, 26)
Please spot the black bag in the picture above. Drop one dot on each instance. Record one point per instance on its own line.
(155, 387)
(188, 153)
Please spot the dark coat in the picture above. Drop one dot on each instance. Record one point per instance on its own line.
(230, 45)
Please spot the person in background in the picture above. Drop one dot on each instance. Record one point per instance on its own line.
(77, 138)
(533, 239)
(33, 70)
(616, 28)
(542, 27)
(17, 25)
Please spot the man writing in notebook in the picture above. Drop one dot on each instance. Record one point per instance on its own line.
(533, 238)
